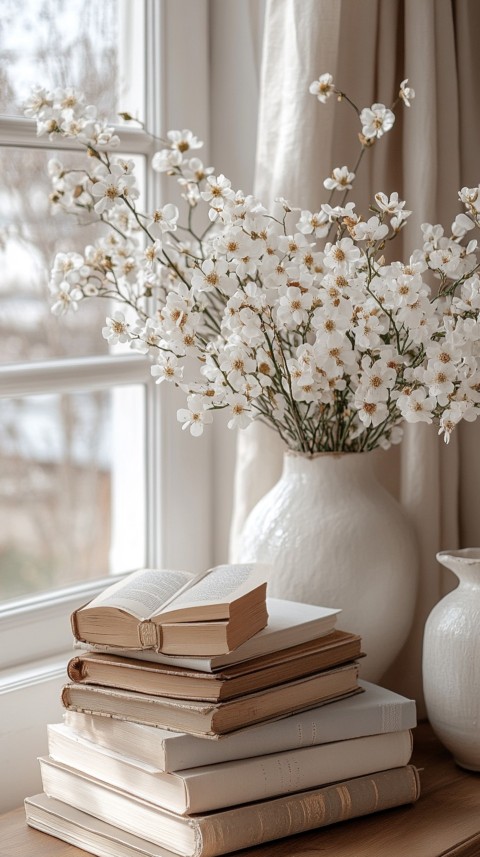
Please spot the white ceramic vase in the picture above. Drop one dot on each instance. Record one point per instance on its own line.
(337, 538)
(451, 660)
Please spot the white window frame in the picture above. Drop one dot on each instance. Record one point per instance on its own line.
(34, 632)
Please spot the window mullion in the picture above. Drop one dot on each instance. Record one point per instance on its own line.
(20, 132)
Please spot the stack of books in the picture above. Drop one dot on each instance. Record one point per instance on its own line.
(175, 742)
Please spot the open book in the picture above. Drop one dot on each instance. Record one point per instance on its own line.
(177, 612)
(289, 624)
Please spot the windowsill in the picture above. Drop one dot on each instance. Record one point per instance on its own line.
(18, 677)
(41, 625)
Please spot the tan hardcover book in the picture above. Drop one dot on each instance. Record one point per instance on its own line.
(217, 832)
(176, 612)
(210, 787)
(259, 673)
(214, 718)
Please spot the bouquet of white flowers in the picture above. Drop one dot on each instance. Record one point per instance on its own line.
(292, 317)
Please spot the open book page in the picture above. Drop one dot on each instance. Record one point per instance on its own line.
(221, 585)
(145, 592)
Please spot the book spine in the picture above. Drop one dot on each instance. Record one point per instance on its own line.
(150, 635)
(77, 670)
(254, 824)
(247, 780)
(73, 623)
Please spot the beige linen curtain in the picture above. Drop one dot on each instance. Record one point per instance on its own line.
(433, 150)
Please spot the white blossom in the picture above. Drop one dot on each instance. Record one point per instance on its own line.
(109, 188)
(451, 417)
(391, 204)
(194, 416)
(371, 230)
(439, 378)
(149, 335)
(461, 225)
(116, 329)
(218, 189)
(167, 368)
(39, 104)
(406, 93)
(184, 141)
(241, 415)
(163, 220)
(316, 223)
(339, 211)
(377, 379)
(341, 255)
(235, 362)
(323, 88)
(213, 274)
(294, 306)
(166, 160)
(376, 121)
(416, 406)
(340, 179)
(371, 412)
(64, 297)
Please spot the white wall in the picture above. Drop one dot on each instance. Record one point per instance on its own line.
(27, 705)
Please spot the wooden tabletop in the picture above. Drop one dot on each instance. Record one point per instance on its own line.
(444, 823)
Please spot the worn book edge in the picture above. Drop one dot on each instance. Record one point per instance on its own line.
(209, 712)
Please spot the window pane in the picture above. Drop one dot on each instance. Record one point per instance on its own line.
(72, 488)
(87, 44)
(29, 239)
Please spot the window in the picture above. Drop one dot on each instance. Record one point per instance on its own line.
(90, 452)
(60, 452)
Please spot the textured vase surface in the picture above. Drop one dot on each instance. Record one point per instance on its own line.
(451, 660)
(335, 537)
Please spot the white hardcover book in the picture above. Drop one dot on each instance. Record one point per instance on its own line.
(85, 831)
(210, 787)
(375, 711)
(289, 624)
